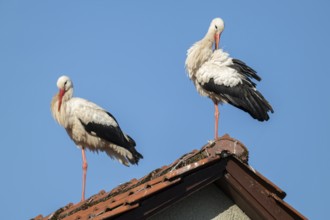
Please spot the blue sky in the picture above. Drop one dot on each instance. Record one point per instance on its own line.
(128, 57)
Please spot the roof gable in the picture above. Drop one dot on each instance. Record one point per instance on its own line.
(222, 162)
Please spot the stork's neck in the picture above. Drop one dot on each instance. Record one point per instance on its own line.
(60, 114)
(68, 95)
(208, 39)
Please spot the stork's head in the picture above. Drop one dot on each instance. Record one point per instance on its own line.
(216, 27)
(64, 84)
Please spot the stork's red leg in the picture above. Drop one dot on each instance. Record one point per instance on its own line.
(216, 124)
(84, 166)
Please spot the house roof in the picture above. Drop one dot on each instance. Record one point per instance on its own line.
(223, 162)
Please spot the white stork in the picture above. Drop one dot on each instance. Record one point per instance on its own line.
(224, 79)
(92, 127)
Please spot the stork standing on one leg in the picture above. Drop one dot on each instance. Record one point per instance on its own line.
(224, 79)
(92, 127)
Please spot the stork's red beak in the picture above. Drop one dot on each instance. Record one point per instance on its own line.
(60, 96)
(217, 40)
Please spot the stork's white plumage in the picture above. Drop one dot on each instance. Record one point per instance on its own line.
(224, 79)
(92, 127)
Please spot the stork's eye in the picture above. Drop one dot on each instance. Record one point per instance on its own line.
(216, 27)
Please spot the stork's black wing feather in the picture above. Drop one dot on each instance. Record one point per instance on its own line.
(243, 96)
(244, 69)
(114, 135)
(109, 133)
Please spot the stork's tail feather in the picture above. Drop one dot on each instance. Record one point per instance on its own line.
(136, 155)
